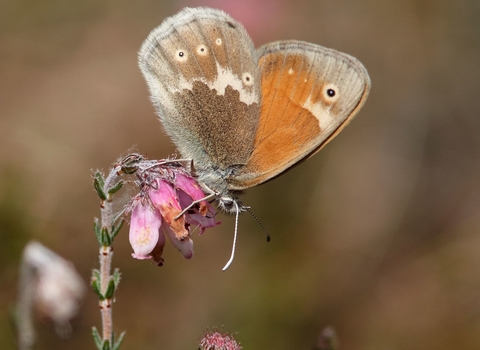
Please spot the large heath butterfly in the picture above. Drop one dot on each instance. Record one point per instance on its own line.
(245, 115)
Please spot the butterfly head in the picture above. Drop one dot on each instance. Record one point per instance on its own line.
(217, 183)
(230, 204)
(228, 201)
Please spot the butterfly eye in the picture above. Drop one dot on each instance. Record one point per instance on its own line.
(181, 55)
(227, 200)
(331, 93)
(226, 203)
(202, 50)
(247, 79)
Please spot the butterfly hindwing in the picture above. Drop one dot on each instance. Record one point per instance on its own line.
(309, 94)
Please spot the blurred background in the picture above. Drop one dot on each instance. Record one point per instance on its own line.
(378, 235)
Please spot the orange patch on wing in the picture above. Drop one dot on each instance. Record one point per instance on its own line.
(286, 130)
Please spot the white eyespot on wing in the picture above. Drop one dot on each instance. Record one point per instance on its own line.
(330, 93)
(290, 72)
(202, 50)
(181, 55)
(218, 41)
(247, 79)
(225, 77)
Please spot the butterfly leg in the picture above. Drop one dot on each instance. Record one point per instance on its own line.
(211, 195)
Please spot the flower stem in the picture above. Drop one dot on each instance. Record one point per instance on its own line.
(103, 282)
(105, 257)
(106, 304)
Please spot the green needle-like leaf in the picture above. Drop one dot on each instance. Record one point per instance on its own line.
(116, 187)
(119, 341)
(97, 338)
(116, 229)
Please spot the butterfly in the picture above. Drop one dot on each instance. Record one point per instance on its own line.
(245, 115)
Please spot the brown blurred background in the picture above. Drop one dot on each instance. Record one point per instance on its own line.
(378, 235)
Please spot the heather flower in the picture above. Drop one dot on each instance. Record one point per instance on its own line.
(188, 190)
(165, 199)
(190, 187)
(327, 340)
(145, 230)
(51, 285)
(156, 213)
(218, 341)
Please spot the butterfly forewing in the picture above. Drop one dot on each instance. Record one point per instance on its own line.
(201, 68)
(309, 93)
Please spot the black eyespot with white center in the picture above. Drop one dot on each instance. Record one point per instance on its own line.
(181, 55)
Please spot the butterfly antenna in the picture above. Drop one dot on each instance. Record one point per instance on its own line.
(259, 222)
(229, 262)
